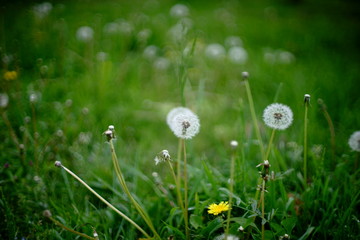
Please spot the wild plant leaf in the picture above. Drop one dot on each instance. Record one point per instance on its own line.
(307, 233)
(289, 224)
(196, 221)
(212, 227)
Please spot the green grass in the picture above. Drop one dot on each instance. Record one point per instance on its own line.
(127, 91)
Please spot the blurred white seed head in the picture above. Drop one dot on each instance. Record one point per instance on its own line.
(161, 64)
(226, 237)
(215, 51)
(151, 52)
(111, 127)
(241, 228)
(234, 144)
(237, 55)
(42, 10)
(4, 100)
(179, 11)
(162, 157)
(278, 116)
(354, 141)
(101, 56)
(85, 34)
(183, 123)
(47, 213)
(33, 98)
(233, 41)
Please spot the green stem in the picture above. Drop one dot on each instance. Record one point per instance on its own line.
(70, 230)
(121, 178)
(254, 119)
(186, 202)
(263, 210)
(178, 190)
(305, 143)
(106, 202)
(231, 190)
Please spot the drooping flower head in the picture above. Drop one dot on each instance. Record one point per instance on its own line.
(183, 122)
(162, 157)
(216, 209)
(354, 141)
(278, 116)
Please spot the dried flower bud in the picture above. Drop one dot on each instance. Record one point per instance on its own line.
(47, 213)
(58, 164)
(245, 75)
(307, 98)
(109, 135)
(266, 164)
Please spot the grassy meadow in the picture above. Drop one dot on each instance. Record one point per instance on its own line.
(69, 69)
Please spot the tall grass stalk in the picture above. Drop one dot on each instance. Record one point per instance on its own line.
(245, 76)
(121, 178)
(323, 108)
(262, 199)
(231, 186)
(58, 164)
(33, 119)
(69, 229)
(306, 103)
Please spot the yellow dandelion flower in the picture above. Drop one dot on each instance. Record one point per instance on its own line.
(218, 208)
(10, 75)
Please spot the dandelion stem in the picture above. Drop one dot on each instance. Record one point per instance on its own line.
(33, 119)
(70, 230)
(121, 178)
(178, 190)
(254, 119)
(231, 190)
(263, 209)
(186, 202)
(305, 143)
(106, 202)
(11, 130)
(270, 143)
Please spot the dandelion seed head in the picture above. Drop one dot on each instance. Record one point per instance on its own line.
(85, 34)
(186, 126)
(233, 41)
(245, 75)
(237, 55)
(174, 112)
(58, 164)
(42, 10)
(354, 141)
(179, 11)
(215, 51)
(234, 144)
(4, 100)
(278, 116)
(226, 237)
(47, 213)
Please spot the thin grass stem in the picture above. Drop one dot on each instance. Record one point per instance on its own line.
(106, 202)
(253, 117)
(121, 178)
(305, 143)
(71, 230)
(231, 190)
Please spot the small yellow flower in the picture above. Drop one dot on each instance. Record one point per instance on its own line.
(218, 208)
(10, 75)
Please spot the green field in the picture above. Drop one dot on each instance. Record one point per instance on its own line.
(69, 69)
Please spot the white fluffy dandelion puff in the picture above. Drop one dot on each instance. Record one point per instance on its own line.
(183, 122)
(162, 156)
(354, 141)
(278, 116)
